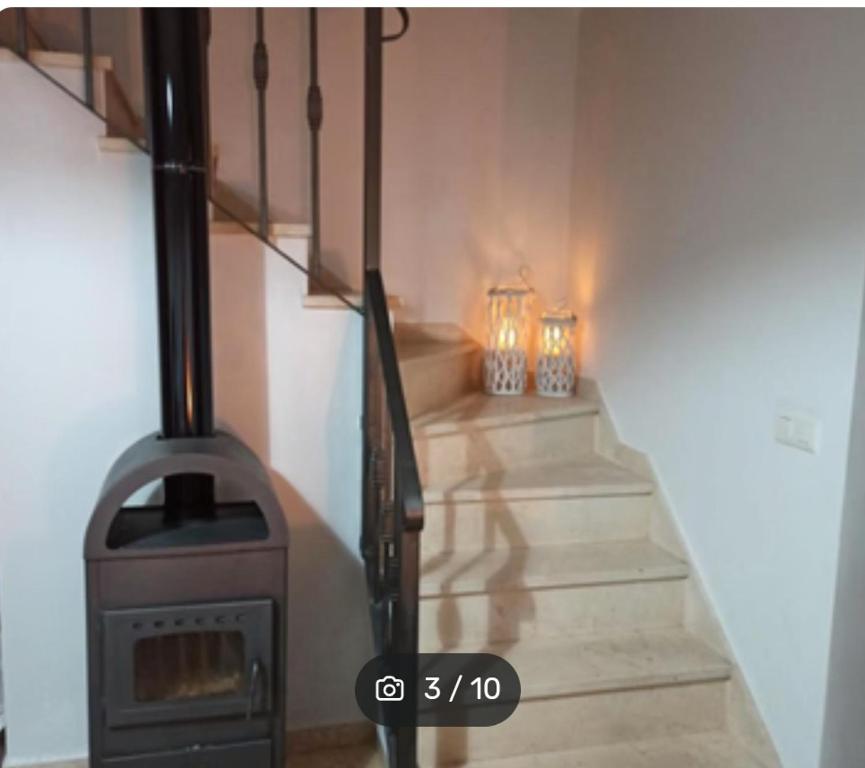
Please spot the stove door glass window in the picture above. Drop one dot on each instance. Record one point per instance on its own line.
(189, 665)
(188, 662)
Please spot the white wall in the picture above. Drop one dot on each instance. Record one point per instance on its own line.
(718, 267)
(79, 383)
(843, 735)
(288, 382)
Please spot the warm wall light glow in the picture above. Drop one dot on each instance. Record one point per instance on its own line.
(505, 368)
(556, 369)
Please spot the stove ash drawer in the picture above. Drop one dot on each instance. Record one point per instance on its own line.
(251, 754)
(185, 663)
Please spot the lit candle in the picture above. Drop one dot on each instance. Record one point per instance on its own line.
(505, 357)
(556, 367)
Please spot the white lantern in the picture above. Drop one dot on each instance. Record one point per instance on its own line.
(506, 354)
(556, 373)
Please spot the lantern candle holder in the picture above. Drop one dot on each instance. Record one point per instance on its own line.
(556, 372)
(506, 353)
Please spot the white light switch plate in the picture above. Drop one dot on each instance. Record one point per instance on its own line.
(798, 429)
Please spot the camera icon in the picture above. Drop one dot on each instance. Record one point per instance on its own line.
(389, 688)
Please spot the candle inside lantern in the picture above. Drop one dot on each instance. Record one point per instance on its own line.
(552, 341)
(556, 368)
(505, 357)
(507, 336)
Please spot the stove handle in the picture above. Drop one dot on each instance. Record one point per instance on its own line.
(254, 685)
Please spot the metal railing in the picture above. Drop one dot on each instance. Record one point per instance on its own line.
(261, 227)
(393, 513)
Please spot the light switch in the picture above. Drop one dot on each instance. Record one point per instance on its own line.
(797, 429)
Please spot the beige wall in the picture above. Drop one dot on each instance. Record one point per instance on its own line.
(478, 141)
(719, 267)
(478, 125)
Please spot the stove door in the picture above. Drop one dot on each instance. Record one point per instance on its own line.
(188, 662)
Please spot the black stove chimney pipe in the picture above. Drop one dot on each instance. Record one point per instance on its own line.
(175, 67)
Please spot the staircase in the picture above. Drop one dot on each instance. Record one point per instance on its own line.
(538, 547)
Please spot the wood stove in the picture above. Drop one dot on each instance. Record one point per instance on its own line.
(186, 588)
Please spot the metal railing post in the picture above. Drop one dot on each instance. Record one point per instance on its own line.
(260, 75)
(87, 49)
(314, 117)
(371, 213)
(372, 125)
(21, 41)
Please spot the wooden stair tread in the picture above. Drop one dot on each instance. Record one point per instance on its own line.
(588, 476)
(329, 301)
(68, 59)
(479, 410)
(118, 144)
(546, 567)
(275, 229)
(424, 351)
(620, 661)
(705, 750)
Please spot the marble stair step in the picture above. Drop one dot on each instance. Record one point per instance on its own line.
(614, 661)
(481, 434)
(439, 364)
(595, 691)
(481, 411)
(709, 750)
(569, 565)
(477, 527)
(590, 475)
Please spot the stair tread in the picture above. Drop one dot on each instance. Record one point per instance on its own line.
(479, 410)
(275, 228)
(544, 567)
(591, 475)
(68, 59)
(624, 660)
(705, 750)
(117, 144)
(413, 351)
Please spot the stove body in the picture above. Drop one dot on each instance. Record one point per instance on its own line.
(186, 620)
(186, 550)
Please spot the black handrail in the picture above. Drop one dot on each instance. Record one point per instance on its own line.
(393, 511)
(405, 469)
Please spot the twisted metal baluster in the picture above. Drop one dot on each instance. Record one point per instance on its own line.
(260, 75)
(314, 117)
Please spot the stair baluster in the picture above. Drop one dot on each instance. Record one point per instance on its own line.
(260, 76)
(314, 117)
(87, 49)
(21, 42)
